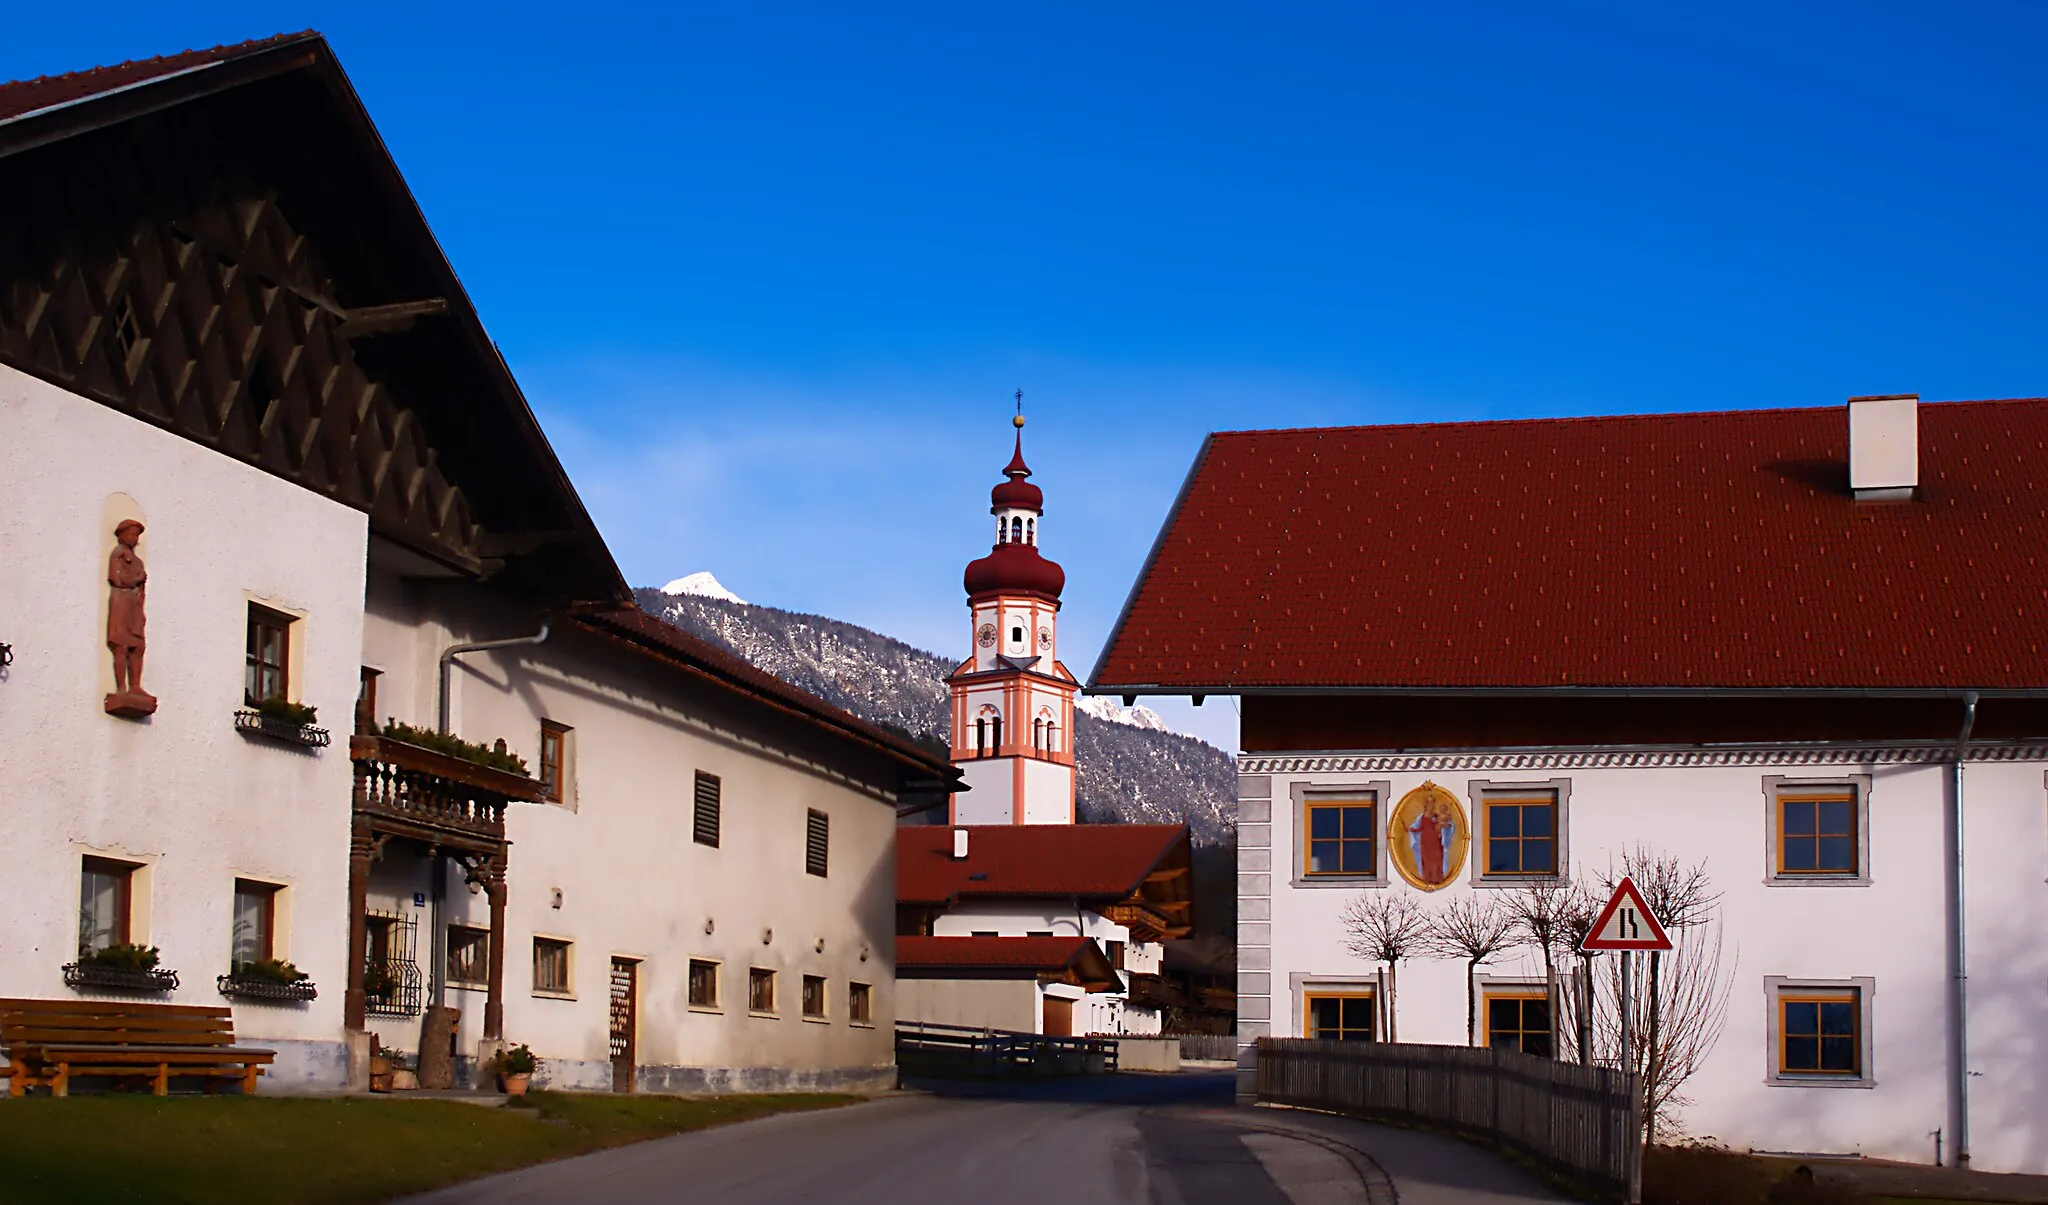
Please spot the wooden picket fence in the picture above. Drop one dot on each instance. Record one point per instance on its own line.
(1582, 1123)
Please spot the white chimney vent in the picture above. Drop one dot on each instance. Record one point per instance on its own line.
(1884, 446)
(959, 845)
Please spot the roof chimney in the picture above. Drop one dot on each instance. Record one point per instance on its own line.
(1884, 446)
(959, 845)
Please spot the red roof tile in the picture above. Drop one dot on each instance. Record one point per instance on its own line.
(1091, 861)
(27, 96)
(1688, 551)
(1018, 953)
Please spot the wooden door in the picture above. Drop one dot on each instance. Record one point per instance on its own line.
(1059, 1017)
(625, 1016)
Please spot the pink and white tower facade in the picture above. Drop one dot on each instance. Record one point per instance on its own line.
(1013, 702)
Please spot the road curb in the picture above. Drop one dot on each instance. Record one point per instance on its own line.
(1379, 1187)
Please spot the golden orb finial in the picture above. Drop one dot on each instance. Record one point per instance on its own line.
(1017, 421)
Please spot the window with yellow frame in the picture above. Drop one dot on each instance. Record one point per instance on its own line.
(1339, 1016)
(1820, 1033)
(1521, 833)
(1519, 1020)
(1342, 837)
(1817, 831)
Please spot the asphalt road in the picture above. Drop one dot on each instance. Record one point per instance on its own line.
(1126, 1140)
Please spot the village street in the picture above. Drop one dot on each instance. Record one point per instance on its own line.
(1159, 1140)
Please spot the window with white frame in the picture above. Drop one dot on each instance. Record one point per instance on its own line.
(1519, 830)
(1820, 1031)
(1819, 830)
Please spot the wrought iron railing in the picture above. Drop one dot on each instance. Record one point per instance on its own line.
(93, 976)
(252, 987)
(253, 722)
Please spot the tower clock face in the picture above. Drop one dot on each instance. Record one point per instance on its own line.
(986, 637)
(1045, 639)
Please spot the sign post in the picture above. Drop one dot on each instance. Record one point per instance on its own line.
(1626, 925)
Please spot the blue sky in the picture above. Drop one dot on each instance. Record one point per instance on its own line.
(770, 273)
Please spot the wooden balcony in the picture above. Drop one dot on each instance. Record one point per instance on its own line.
(407, 791)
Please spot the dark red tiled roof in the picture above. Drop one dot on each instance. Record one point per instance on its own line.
(26, 96)
(648, 632)
(1687, 551)
(1019, 953)
(1089, 861)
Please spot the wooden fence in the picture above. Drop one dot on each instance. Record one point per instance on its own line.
(1207, 1046)
(952, 1051)
(1582, 1123)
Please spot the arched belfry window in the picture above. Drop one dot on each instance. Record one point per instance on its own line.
(1052, 744)
(981, 738)
(1031, 531)
(1016, 530)
(1038, 735)
(996, 728)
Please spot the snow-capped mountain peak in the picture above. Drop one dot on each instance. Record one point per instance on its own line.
(1105, 708)
(704, 584)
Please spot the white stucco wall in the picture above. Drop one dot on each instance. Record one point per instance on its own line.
(1094, 1012)
(1891, 930)
(633, 882)
(180, 792)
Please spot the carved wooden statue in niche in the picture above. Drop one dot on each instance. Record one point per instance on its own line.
(126, 579)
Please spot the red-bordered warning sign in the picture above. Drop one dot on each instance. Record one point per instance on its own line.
(1626, 923)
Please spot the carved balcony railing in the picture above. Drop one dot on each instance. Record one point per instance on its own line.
(417, 792)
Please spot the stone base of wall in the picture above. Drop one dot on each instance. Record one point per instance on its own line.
(571, 1075)
(303, 1066)
(1148, 1054)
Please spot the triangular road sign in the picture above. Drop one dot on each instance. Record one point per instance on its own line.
(1626, 923)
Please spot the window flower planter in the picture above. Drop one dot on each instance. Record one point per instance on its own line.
(252, 987)
(252, 722)
(88, 976)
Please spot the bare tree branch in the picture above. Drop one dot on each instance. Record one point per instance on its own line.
(1475, 928)
(1380, 926)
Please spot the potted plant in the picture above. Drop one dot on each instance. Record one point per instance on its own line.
(516, 1065)
(381, 1066)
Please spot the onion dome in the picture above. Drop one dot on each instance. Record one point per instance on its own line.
(1014, 565)
(1015, 569)
(1017, 493)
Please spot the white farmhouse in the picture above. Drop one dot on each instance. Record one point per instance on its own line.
(1803, 648)
(320, 688)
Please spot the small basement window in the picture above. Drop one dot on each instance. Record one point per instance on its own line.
(703, 983)
(551, 966)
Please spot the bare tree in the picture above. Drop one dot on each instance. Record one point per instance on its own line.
(1553, 915)
(1669, 1044)
(1685, 997)
(1380, 926)
(1475, 928)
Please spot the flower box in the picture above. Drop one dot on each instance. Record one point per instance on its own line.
(252, 987)
(90, 976)
(251, 722)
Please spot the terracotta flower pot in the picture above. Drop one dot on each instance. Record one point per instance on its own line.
(515, 1085)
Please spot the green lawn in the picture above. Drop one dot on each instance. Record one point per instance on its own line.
(249, 1151)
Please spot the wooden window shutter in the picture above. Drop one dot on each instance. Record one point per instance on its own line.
(704, 825)
(817, 843)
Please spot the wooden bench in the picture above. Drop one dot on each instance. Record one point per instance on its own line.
(49, 1042)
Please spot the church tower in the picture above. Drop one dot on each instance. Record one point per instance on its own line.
(1013, 702)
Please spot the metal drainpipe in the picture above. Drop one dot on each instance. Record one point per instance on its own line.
(437, 950)
(1959, 992)
(453, 651)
